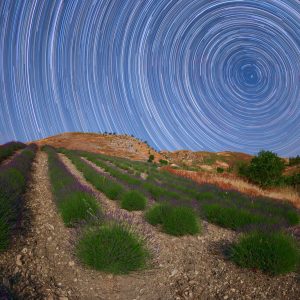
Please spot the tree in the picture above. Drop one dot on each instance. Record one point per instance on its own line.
(265, 169)
(151, 158)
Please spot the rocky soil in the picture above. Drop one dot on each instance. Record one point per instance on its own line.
(41, 263)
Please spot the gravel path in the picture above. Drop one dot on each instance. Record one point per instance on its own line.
(191, 267)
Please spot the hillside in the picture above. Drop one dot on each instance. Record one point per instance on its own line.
(83, 225)
(206, 161)
(114, 145)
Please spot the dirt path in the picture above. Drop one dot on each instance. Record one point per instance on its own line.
(182, 268)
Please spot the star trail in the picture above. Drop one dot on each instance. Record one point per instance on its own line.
(185, 74)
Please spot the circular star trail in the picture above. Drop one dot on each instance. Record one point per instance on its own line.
(193, 74)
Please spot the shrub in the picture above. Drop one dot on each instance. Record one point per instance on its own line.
(151, 158)
(265, 169)
(133, 200)
(78, 206)
(220, 170)
(230, 217)
(157, 213)
(274, 253)
(180, 221)
(294, 160)
(174, 220)
(163, 162)
(113, 249)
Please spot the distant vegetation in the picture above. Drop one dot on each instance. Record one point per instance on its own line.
(151, 158)
(293, 161)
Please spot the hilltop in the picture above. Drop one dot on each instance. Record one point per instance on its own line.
(115, 145)
(132, 148)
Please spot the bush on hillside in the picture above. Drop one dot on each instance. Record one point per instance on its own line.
(220, 170)
(274, 253)
(265, 169)
(230, 217)
(151, 158)
(157, 213)
(113, 249)
(78, 206)
(180, 221)
(176, 221)
(133, 200)
(163, 162)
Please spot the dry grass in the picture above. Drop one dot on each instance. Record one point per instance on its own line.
(229, 181)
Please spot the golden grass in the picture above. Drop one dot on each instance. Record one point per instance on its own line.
(230, 181)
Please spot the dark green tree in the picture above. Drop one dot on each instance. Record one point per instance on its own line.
(265, 169)
(151, 158)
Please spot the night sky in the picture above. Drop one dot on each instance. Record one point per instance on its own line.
(185, 74)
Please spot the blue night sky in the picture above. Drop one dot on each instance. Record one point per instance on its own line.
(185, 74)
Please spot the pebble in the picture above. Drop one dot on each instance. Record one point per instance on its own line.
(18, 260)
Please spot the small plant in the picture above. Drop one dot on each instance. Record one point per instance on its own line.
(163, 162)
(151, 158)
(113, 249)
(157, 213)
(220, 170)
(274, 253)
(176, 221)
(78, 206)
(180, 221)
(133, 200)
(230, 217)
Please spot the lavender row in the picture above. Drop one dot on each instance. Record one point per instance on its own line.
(14, 177)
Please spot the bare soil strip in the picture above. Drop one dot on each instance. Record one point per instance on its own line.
(191, 267)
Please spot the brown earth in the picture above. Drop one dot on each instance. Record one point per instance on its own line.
(41, 263)
(114, 145)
